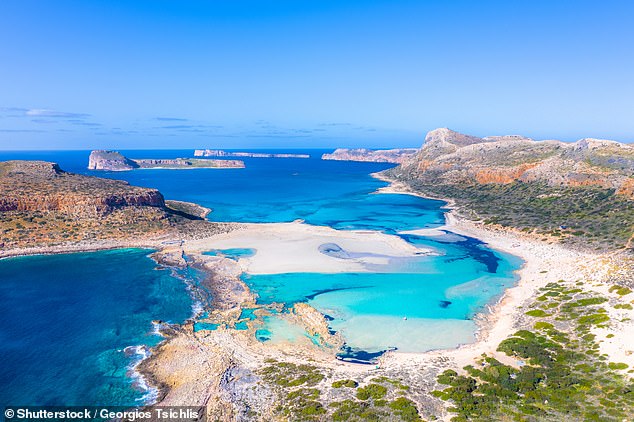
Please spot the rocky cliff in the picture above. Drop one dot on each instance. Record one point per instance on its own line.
(581, 192)
(451, 157)
(43, 186)
(115, 161)
(42, 205)
(110, 160)
(377, 156)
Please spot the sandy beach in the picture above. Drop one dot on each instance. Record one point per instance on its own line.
(210, 367)
(291, 247)
(294, 247)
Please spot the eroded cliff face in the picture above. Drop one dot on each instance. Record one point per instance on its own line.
(448, 157)
(43, 206)
(42, 186)
(110, 160)
(115, 161)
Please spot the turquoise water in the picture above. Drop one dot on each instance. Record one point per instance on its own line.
(403, 301)
(248, 313)
(201, 326)
(68, 324)
(99, 304)
(330, 193)
(232, 253)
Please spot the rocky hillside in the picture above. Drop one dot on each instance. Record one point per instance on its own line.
(115, 161)
(451, 157)
(581, 191)
(377, 156)
(43, 186)
(42, 205)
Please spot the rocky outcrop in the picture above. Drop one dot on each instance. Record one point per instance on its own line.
(115, 161)
(449, 157)
(178, 163)
(221, 153)
(378, 156)
(110, 160)
(42, 186)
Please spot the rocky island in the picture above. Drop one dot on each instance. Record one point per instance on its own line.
(397, 156)
(115, 161)
(221, 153)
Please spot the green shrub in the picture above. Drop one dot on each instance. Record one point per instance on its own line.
(620, 290)
(539, 313)
(374, 391)
(345, 383)
(618, 365)
(405, 408)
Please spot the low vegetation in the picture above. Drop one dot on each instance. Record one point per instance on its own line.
(583, 216)
(301, 391)
(559, 372)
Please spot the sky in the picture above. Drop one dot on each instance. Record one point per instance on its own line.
(310, 74)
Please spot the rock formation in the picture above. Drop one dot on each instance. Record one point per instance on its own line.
(115, 161)
(378, 156)
(110, 160)
(43, 206)
(43, 186)
(454, 158)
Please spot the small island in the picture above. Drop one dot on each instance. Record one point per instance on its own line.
(115, 161)
(221, 153)
(397, 156)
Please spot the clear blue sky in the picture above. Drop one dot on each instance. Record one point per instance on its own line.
(248, 74)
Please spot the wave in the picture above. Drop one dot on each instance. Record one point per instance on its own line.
(141, 352)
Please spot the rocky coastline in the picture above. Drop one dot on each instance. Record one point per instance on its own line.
(115, 161)
(221, 153)
(396, 156)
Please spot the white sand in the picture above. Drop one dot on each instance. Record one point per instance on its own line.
(294, 247)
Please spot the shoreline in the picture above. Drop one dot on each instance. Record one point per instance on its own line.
(501, 239)
(543, 262)
(188, 366)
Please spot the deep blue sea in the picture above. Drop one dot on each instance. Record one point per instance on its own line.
(69, 325)
(68, 301)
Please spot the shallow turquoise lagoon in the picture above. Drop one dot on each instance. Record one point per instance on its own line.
(412, 304)
(66, 321)
(71, 325)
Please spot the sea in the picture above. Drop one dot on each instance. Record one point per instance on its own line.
(73, 326)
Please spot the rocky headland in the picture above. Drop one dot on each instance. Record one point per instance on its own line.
(453, 158)
(115, 161)
(397, 156)
(221, 153)
(579, 192)
(42, 206)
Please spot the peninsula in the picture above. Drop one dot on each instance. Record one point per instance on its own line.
(566, 324)
(115, 161)
(44, 209)
(397, 156)
(221, 153)
(580, 193)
